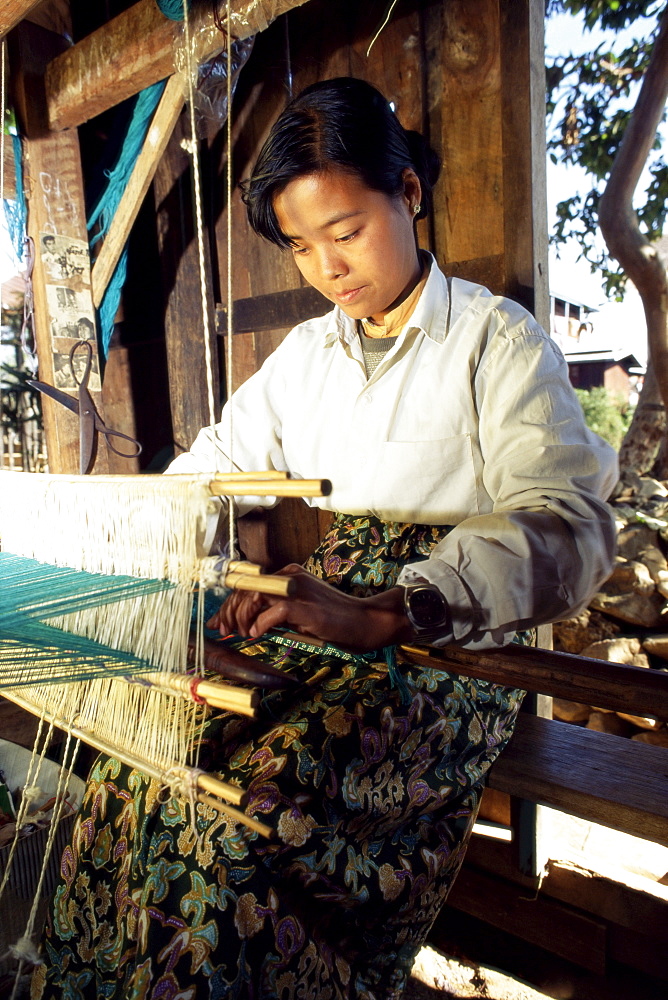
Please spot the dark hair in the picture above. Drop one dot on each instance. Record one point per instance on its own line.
(344, 123)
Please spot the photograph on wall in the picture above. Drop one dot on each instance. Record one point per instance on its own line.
(70, 312)
(66, 260)
(64, 372)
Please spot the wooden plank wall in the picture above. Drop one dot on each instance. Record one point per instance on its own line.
(457, 71)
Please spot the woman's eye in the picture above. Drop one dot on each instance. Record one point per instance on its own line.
(347, 238)
(300, 250)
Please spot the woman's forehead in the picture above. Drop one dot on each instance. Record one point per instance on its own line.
(321, 200)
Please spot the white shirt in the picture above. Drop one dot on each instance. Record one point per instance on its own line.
(469, 420)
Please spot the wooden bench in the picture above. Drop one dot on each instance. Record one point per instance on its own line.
(602, 778)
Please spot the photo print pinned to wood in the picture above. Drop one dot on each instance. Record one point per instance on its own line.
(68, 375)
(70, 313)
(66, 260)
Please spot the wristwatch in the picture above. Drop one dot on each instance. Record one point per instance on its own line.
(428, 612)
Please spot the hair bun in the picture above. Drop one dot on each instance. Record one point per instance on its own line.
(427, 162)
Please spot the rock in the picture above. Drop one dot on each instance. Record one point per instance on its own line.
(648, 487)
(609, 722)
(657, 566)
(640, 721)
(573, 634)
(633, 539)
(629, 594)
(658, 737)
(657, 645)
(570, 711)
(624, 649)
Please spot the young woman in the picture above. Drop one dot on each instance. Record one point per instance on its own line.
(469, 507)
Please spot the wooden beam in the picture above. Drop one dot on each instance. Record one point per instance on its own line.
(275, 311)
(14, 11)
(136, 49)
(158, 136)
(9, 169)
(180, 271)
(546, 923)
(618, 687)
(61, 285)
(598, 777)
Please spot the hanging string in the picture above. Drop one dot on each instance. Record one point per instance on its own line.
(229, 357)
(25, 949)
(199, 223)
(388, 15)
(105, 207)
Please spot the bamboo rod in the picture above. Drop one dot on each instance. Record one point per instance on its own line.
(230, 793)
(268, 475)
(243, 566)
(222, 486)
(249, 821)
(224, 696)
(280, 586)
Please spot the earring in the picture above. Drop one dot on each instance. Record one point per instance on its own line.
(416, 209)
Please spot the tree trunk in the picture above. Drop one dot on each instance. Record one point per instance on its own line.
(638, 257)
(642, 440)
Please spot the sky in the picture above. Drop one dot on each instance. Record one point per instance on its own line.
(565, 33)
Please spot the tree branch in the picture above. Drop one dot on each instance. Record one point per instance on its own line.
(617, 218)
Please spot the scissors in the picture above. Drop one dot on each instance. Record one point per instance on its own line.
(90, 420)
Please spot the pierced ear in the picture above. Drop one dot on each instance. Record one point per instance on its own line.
(412, 188)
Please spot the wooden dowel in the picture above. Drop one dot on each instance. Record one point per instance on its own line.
(222, 486)
(249, 821)
(157, 137)
(222, 789)
(243, 566)
(280, 586)
(266, 475)
(226, 791)
(618, 687)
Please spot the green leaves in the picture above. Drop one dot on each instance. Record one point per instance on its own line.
(590, 98)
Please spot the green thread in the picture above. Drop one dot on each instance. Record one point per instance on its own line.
(33, 592)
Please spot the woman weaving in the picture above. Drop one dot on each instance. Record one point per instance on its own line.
(469, 507)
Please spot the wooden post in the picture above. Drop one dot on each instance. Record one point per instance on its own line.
(61, 276)
(14, 11)
(184, 324)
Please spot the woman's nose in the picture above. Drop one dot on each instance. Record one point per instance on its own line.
(332, 265)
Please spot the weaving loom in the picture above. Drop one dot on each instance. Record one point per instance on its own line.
(101, 575)
(108, 657)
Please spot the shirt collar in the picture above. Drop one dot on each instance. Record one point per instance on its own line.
(430, 314)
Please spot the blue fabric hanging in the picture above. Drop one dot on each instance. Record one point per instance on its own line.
(173, 9)
(15, 211)
(105, 207)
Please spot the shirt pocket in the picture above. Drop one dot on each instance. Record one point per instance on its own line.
(428, 482)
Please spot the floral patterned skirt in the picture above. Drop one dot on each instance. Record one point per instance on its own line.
(372, 788)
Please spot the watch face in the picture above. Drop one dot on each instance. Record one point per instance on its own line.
(427, 608)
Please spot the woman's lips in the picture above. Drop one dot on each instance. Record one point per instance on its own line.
(345, 298)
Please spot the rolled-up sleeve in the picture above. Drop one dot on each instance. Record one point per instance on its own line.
(548, 542)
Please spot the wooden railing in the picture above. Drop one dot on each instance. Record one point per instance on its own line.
(607, 779)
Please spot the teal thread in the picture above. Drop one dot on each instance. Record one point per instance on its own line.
(33, 592)
(105, 207)
(15, 210)
(173, 9)
(397, 679)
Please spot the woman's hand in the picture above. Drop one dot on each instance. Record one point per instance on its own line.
(319, 610)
